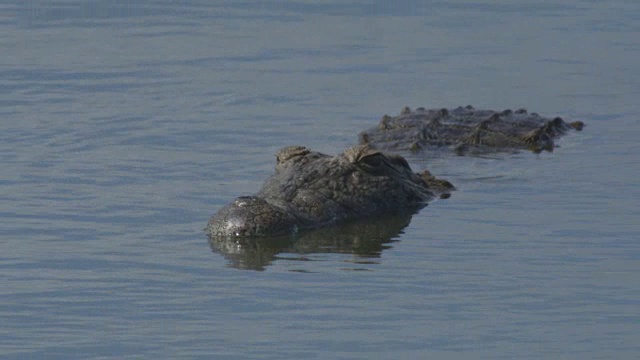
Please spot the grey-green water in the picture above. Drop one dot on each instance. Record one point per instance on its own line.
(124, 125)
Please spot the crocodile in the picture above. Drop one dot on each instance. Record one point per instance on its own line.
(310, 190)
(467, 131)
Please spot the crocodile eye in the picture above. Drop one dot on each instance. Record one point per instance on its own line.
(374, 160)
(290, 152)
(399, 160)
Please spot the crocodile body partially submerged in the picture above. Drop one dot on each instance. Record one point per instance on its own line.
(311, 190)
(467, 130)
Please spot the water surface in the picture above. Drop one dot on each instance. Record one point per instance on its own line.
(126, 124)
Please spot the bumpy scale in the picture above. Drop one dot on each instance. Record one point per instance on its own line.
(310, 190)
(467, 130)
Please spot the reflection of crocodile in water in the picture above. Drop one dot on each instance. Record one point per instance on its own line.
(364, 239)
(311, 190)
(467, 130)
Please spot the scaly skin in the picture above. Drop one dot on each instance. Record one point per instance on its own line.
(466, 130)
(311, 190)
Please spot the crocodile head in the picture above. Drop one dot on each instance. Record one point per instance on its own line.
(310, 190)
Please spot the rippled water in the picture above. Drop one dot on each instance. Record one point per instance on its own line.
(124, 125)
